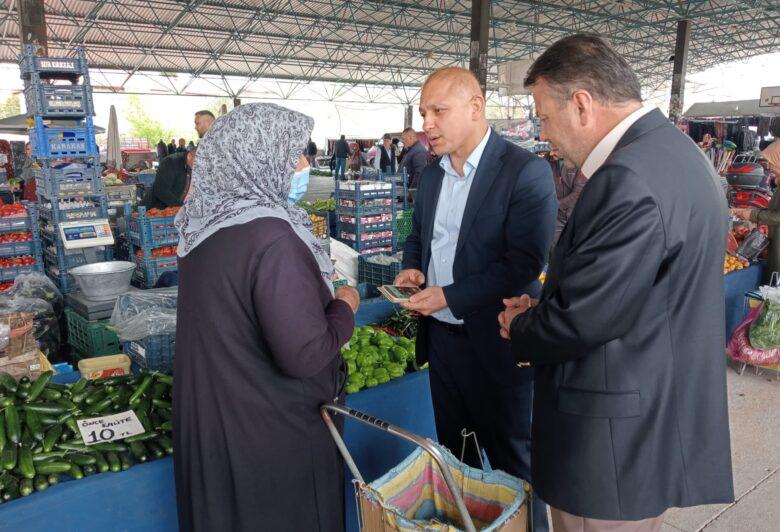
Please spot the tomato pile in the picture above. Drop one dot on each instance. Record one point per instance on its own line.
(15, 262)
(15, 237)
(6, 285)
(165, 251)
(14, 210)
(159, 213)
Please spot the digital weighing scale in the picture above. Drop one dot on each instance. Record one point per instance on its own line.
(86, 234)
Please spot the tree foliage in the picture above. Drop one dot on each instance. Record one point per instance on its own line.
(142, 125)
(11, 106)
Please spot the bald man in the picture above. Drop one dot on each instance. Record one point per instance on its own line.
(483, 222)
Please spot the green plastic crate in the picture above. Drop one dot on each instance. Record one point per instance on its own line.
(91, 338)
(403, 225)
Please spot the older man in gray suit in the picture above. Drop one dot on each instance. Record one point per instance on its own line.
(627, 338)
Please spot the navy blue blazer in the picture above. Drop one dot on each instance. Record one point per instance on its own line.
(505, 235)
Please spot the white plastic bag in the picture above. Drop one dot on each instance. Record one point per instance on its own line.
(345, 261)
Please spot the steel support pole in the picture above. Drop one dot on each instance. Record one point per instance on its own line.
(480, 24)
(408, 115)
(680, 67)
(32, 23)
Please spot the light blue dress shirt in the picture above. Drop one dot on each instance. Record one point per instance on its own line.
(446, 226)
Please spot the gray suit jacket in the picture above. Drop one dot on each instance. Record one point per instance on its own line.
(630, 412)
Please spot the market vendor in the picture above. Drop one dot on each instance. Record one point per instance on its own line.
(172, 181)
(771, 215)
(258, 337)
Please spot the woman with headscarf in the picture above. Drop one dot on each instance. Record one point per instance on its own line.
(771, 215)
(258, 337)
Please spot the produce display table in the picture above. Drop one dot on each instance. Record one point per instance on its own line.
(736, 284)
(143, 498)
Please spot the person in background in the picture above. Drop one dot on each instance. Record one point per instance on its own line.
(385, 159)
(190, 146)
(357, 159)
(172, 147)
(311, 153)
(621, 432)
(171, 182)
(396, 151)
(162, 150)
(182, 146)
(416, 158)
(771, 215)
(203, 121)
(341, 153)
(483, 221)
(28, 185)
(258, 337)
(569, 183)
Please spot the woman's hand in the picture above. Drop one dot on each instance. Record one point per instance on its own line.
(350, 296)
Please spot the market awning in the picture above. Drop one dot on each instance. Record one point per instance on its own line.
(737, 108)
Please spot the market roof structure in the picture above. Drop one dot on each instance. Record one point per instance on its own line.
(736, 108)
(381, 43)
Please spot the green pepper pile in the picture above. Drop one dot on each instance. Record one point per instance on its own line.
(40, 438)
(374, 357)
(318, 205)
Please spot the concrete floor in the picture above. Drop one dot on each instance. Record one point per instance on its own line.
(754, 413)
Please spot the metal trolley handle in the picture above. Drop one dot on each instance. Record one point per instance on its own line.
(426, 444)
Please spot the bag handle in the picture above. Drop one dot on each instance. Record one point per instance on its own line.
(426, 444)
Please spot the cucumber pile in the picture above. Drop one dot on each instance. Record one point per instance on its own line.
(40, 439)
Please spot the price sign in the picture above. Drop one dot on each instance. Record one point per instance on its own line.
(109, 428)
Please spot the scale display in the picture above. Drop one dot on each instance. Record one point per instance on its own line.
(79, 235)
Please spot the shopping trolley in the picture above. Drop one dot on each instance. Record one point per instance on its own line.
(410, 496)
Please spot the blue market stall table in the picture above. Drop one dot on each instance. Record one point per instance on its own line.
(736, 284)
(143, 498)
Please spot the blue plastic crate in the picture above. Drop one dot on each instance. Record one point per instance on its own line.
(51, 142)
(16, 249)
(64, 260)
(65, 283)
(363, 190)
(15, 224)
(149, 270)
(360, 227)
(149, 233)
(69, 182)
(362, 246)
(153, 352)
(9, 274)
(33, 67)
(59, 101)
(145, 179)
(58, 215)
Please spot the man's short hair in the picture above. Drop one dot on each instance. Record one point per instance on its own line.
(206, 112)
(408, 131)
(586, 61)
(343, 137)
(386, 136)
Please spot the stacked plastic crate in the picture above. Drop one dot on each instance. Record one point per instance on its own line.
(120, 197)
(20, 244)
(58, 95)
(365, 215)
(153, 238)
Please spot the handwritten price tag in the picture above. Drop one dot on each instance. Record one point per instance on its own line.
(109, 428)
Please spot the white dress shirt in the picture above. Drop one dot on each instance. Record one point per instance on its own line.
(446, 226)
(607, 145)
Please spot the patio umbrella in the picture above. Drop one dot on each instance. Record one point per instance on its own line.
(113, 145)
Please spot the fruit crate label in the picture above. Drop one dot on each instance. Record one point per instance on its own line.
(109, 428)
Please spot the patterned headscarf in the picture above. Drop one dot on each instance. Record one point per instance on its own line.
(243, 171)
